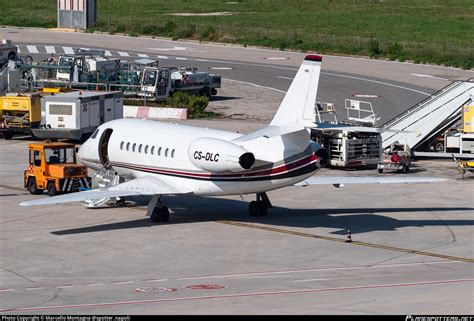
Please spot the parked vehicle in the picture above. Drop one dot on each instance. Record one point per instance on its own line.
(395, 157)
(53, 167)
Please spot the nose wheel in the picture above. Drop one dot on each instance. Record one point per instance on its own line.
(260, 206)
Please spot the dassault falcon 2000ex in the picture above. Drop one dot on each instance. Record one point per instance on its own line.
(155, 158)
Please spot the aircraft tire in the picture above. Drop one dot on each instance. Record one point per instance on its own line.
(164, 214)
(253, 208)
(262, 209)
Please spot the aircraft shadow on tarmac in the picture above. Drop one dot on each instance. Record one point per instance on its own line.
(359, 220)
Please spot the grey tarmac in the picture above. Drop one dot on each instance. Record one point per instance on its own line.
(411, 253)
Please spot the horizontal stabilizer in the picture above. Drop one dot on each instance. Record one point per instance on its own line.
(271, 131)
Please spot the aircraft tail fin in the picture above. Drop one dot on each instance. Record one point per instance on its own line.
(298, 104)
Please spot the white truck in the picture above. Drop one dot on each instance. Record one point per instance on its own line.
(87, 66)
(159, 83)
(75, 114)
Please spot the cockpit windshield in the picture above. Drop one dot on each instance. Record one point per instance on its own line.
(59, 155)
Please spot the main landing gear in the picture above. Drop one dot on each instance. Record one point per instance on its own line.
(157, 211)
(260, 206)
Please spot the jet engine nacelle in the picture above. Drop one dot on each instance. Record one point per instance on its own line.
(217, 155)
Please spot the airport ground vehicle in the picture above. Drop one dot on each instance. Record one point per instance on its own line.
(349, 144)
(8, 51)
(88, 66)
(395, 157)
(53, 167)
(464, 166)
(159, 83)
(76, 114)
(19, 114)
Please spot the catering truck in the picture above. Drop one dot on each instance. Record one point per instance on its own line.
(76, 114)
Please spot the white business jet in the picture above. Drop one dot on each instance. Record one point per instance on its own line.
(155, 158)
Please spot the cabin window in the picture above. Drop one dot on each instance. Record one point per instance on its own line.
(121, 145)
(152, 151)
(172, 153)
(159, 151)
(133, 147)
(128, 146)
(146, 149)
(166, 152)
(140, 148)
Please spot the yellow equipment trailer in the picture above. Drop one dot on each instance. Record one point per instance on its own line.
(19, 114)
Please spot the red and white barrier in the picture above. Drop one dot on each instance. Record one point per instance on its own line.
(154, 112)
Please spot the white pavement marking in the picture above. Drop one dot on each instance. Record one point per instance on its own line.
(64, 286)
(283, 77)
(346, 278)
(50, 49)
(32, 49)
(204, 60)
(429, 76)
(376, 82)
(123, 54)
(34, 288)
(108, 53)
(94, 284)
(315, 270)
(68, 50)
(331, 74)
(365, 96)
(143, 55)
(176, 49)
(276, 58)
(162, 57)
(181, 58)
(236, 295)
(249, 83)
(156, 280)
(221, 68)
(6, 290)
(123, 282)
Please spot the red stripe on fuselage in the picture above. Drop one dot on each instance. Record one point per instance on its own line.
(273, 171)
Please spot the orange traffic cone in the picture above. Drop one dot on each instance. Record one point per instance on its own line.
(348, 238)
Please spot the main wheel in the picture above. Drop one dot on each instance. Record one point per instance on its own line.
(253, 208)
(32, 188)
(160, 214)
(164, 214)
(51, 188)
(262, 209)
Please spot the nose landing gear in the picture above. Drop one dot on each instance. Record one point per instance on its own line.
(260, 206)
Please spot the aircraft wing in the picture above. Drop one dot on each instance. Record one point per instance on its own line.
(145, 185)
(340, 181)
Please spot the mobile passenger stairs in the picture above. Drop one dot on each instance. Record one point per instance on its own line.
(422, 125)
